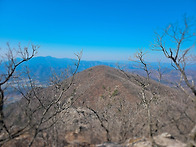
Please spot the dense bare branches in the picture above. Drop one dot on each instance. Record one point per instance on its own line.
(10, 65)
(34, 112)
(179, 55)
(145, 99)
(174, 35)
(139, 59)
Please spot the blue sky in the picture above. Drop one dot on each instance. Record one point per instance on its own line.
(104, 29)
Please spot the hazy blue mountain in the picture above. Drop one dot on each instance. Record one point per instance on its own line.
(42, 68)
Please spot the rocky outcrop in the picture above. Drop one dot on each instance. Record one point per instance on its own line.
(162, 140)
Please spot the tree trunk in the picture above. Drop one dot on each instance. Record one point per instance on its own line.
(149, 121)
(1, 109)
(192, 138)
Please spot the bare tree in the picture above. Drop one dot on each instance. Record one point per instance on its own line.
(170, 43)
(153, 102)
(10, 66)
(39, 108)
(177, 55)
(146, 99)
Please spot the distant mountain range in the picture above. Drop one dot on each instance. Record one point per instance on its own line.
(42, 68)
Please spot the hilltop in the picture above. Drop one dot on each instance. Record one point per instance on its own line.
(104, 104)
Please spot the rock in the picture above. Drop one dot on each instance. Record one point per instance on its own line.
(166, 139)
(162, 140)
(109, 145)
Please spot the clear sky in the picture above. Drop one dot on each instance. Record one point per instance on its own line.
(104, 29)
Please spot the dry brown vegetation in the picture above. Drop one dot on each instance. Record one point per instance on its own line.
(106, 107)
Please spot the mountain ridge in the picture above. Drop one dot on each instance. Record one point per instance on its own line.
(107, 106)
(42, 68)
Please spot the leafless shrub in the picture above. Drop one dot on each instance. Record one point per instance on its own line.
(34, 113)
(179, 55)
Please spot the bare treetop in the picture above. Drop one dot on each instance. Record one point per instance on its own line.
(10, 60)
(178, 55)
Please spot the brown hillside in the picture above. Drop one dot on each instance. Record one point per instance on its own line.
(106, 106)
(100, 81)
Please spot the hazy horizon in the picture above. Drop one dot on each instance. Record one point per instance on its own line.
(105, 30)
